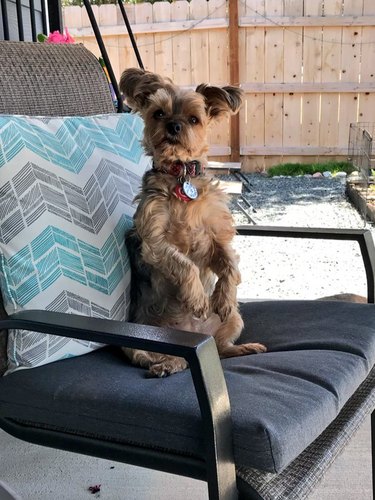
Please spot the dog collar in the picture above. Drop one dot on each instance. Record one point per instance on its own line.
(184, 191)
(183, 169)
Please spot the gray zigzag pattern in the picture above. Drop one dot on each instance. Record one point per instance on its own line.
(34, 347)
(34, 191)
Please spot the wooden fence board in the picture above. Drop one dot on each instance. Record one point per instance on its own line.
(218, 67)
(273, 72)
(181, 45)
(312, 65)
(331, 70)
(199, 44)
(366, 105)
(145, 42)
(163, 43)
(292, 74)
(350, 69)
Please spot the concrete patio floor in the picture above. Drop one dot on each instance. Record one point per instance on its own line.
(37, 473)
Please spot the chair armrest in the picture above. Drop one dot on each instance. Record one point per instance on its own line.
(118, 333)
(199, 350)
(362, 236)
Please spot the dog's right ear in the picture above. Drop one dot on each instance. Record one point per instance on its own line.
(137, 85)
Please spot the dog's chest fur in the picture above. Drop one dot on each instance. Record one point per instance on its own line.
(193, 226)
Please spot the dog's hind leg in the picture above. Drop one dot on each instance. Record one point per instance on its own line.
(228, 333)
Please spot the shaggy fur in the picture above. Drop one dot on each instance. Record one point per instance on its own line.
(184, 269)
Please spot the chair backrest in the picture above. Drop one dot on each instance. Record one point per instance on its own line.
(51, 80)
(40, 79)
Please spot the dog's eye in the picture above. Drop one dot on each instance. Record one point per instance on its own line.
(159, 114)
(193, 120)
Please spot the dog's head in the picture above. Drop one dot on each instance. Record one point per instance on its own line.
(176, 119)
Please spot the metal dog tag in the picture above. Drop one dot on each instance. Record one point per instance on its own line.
(190, 190)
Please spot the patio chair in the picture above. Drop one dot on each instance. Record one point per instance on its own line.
(261, 426)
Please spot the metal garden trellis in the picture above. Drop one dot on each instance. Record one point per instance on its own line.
(360, 151)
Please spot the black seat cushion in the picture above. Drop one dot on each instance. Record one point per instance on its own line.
(318, 354)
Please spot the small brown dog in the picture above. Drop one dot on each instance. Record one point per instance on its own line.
(184, 269)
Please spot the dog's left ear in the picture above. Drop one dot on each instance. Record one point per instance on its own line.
(221, 101)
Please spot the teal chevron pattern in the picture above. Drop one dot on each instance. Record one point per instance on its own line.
(67, 187)
(72, 141)
(55, 253)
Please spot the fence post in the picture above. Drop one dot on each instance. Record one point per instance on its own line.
(234, 76)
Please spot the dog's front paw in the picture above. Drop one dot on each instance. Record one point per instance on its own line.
(222, 306)
(197, 302)
(201, 307)
(223, 311)
(170, 365)
(224, 299)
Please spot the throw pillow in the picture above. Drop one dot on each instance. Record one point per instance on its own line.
(67, 186)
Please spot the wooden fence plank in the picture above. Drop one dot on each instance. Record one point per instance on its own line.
(366, 106)
(126, 57)
(292, 74)
(181, 45)
(253, 71)
(163, 43)
(312, 64)
(145, 42)
(218, 67)
(107, 16)
(73, 17)
(331, 70)
(273, 72)
(199, 44)
(350, 70)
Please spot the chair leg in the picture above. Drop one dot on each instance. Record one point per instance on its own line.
(221, 481)
(373, 451)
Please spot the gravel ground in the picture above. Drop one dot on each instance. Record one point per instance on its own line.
(294, 268)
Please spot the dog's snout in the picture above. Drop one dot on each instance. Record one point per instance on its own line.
(174, 128)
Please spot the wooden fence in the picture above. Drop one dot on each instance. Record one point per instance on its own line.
(307, 66)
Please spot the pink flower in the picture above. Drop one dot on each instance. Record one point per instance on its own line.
(68, 37)
(57, 37)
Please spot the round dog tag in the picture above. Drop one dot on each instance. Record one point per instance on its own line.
(190, 190)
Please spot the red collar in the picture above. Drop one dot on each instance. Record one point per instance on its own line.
(179, 193)
(183, 169)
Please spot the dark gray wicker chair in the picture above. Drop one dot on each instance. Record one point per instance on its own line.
(265, 426)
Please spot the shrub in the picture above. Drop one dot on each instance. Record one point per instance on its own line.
(294, 169)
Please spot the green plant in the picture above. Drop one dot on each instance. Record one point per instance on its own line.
(294, 169)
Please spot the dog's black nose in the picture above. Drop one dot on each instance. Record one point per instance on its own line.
(174, 128)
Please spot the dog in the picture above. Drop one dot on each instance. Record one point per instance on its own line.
(184, 269)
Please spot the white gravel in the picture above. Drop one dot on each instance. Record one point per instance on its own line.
(296, 268)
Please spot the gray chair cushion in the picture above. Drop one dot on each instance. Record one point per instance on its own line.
(319, 353)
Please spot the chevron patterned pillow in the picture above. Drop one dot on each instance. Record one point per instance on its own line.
(66, 190)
